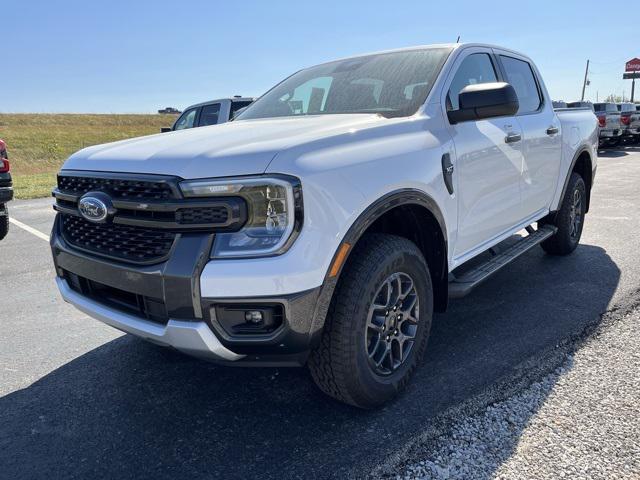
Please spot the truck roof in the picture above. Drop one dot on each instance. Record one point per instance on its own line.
(452, 46)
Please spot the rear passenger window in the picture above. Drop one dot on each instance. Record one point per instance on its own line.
(521, 78)
(209, 115)
(235, 106)
(476, 68)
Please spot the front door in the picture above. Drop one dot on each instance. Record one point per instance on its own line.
(488, 162)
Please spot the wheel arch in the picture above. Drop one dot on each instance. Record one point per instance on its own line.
(582, 163)
(429, 234)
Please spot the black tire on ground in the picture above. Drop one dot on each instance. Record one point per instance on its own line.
(358, 333)
(4, 221)
(569, 219)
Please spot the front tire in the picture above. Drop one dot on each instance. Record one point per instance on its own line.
(4, 221)
(569, 219)
(378, 323)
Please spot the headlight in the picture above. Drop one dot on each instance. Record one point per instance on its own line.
(274, 213)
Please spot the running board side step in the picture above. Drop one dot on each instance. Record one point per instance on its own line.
(462, 285)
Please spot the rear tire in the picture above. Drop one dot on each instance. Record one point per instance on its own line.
(4, 221)
(378, 323)
(569, 219)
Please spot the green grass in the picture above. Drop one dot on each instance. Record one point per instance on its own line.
(38, 144)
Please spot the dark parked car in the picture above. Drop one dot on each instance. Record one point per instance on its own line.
(168, 111)
(210, 113)
(6, 190)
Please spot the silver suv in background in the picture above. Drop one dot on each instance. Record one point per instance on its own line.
(609, 123)
(212, 112)
(630, 120)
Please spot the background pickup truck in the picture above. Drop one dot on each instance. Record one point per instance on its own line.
(609, 122)
(212, 112)
(630, 120)
(329, 221)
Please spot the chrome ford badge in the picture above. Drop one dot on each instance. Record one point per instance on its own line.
(93, 209)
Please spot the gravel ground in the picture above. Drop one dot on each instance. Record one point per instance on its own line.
(580, 421)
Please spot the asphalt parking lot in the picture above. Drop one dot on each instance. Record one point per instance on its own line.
(79, 399)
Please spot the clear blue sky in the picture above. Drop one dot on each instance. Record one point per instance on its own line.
(138, 55)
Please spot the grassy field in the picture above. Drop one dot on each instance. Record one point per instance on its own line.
(39, 143)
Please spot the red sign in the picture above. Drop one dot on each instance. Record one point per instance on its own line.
(632, 65)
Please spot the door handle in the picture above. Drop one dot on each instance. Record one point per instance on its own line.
(552, 130)
(513, 138)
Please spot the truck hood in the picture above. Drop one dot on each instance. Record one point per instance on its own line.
(236, 148)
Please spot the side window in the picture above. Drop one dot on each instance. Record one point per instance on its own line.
(521, 78)
(476, 68)
(209, 115)
(186, 120)
(235, 106)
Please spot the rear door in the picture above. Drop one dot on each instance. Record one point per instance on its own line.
(541, 139)
(488, 159)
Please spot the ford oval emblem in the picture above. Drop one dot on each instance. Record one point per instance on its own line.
(93, 209)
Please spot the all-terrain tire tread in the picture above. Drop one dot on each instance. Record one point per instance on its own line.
(330, 362)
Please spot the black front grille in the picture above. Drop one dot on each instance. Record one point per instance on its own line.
(203, 215)
(125, 189)
(146, 214)
(135, 244)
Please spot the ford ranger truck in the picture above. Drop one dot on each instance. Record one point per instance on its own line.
(329, 221)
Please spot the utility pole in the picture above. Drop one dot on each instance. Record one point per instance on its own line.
(584, 84)
(633, 87)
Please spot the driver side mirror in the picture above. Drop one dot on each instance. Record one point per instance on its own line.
(485, 100)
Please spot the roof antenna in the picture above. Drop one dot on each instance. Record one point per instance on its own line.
(458, 40)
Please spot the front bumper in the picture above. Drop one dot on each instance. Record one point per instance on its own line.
(190, 323)
(193, 338)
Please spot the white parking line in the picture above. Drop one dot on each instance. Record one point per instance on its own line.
(29, 229)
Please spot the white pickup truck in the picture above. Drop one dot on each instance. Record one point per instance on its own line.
(328, 222)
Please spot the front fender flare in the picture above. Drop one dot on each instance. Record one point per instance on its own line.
(370, 214)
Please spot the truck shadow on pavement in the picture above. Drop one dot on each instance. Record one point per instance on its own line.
(130, 409)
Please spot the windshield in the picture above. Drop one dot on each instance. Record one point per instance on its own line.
(390, 84)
